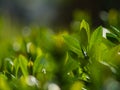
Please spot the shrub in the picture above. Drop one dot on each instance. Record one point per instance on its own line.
(40, 59)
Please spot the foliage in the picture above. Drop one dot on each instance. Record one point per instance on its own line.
(39, 59)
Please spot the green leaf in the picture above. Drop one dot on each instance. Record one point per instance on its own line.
(113, 38)
(96, 37)
(38, 64)
(44, 64)
(108, 43)
(70, 64)
(83, 39)
(8, 64)
(23, 64)
(16, 66)
(115, 30)
(98, 51)
(97, 48)
(73, 44)
(113, 55)
(84, 25)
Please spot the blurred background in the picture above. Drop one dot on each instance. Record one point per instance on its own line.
(60, 13)
(26, 28)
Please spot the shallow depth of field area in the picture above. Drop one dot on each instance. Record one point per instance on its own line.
(43, 52)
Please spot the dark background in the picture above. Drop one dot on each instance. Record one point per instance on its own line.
(54, 12)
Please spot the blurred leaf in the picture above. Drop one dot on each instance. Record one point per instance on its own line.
(113, 38)
(113, 17)
(38, 64)
(108, 43)
(115, 30)
(82, 14)
(31, 48)
(77, 86)
(3, 83)
(39, 52)
(23, 64)
(73, 44)
(16, 65)
(113, 55)
(8, 64)
(70, 64)
(85, 77)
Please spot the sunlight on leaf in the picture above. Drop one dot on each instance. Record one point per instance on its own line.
(96, 37)
(23, 64)
(77, 86)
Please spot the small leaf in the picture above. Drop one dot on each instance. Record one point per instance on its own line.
(115, 30)
(83, 38)
(8, 64)
(113, 38)
(70, 64)
(16, 65)
(77, 86)
(73, 44)
(38, 64)
(96, 37)
(84, 25)
(23, 64)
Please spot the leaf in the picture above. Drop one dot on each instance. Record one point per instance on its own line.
(8, 64)
(113, 55)
(70, 64)
(23, 64)
(96, 37)
(108, 43)
(73, 44)
(115, 30)
(84, 25)
(44, 64)
(113, 38)
(99, 51)
(16, 65)
(97, 48)
(83, 39)
(38, 64)
(77, 85)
